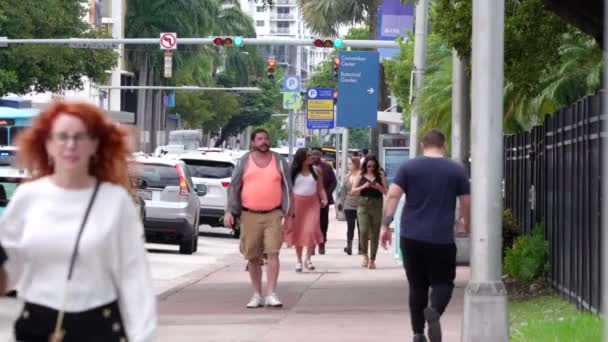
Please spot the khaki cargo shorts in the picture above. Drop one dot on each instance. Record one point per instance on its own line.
(261, 234)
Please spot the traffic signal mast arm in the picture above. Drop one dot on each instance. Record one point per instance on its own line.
(75, 42)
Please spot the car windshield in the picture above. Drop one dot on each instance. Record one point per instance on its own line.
(7, 189)
(155, 175)
(209, 168)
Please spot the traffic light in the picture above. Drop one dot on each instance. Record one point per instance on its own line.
(336, 67)
(327, 43)
(335, 96)
(227, 41)
(271, 63)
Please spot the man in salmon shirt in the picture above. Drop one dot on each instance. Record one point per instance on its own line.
(259, 194)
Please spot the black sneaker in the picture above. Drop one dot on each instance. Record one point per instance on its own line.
(419, 338)
(434, 327)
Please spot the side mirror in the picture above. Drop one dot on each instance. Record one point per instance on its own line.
(201, 190)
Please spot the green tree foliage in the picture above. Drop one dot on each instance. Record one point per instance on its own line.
(253, 109)
(537, 81)
(42, 68)
(532, 37)
(358, 137)
(276, 129)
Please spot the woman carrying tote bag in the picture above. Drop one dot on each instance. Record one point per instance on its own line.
(73, 237)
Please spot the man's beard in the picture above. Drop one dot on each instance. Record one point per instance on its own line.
(263, 148)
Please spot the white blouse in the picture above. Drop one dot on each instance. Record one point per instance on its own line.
(305, 185)
(38, 230)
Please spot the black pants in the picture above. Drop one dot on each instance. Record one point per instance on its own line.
(103, 324)
(324, 222)
(351, 220)
(428, 265)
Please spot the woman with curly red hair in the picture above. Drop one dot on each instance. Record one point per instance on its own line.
(72, 234)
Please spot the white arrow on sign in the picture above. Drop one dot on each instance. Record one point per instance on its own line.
(370, 91)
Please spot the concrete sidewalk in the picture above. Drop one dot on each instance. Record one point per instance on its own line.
(340, 300)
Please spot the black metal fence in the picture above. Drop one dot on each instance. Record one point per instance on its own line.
(552, 177)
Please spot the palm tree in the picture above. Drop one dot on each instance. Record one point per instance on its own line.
(148, 18)
(188, 18)
(325, 17)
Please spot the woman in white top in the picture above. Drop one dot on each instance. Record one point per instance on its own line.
(77, 158)
(304, 223)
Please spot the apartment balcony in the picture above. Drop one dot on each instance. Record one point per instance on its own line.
(280, 30)
(282, 16)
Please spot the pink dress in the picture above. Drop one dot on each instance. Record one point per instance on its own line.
(304, 229)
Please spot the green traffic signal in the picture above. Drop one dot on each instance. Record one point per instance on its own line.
(238, 41)
(338, 43)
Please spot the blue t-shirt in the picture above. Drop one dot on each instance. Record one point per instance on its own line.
(431, 186)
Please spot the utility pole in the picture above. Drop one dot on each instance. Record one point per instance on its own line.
(460, 109)
(604, 209)
(485, 302)
(422, 11)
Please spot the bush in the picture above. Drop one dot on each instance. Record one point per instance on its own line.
(510, 230)
(525, 261)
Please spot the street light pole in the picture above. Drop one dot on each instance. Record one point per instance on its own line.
(460, 109)
(422, 11)
(485, 303)
(604, 209)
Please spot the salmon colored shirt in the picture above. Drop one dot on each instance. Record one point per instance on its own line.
(262, 187)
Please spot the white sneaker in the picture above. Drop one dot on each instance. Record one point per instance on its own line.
(255, 302)
(273, 301)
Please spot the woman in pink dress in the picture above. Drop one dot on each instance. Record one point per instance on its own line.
(303, 228)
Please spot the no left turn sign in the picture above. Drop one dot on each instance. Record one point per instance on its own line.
(168, 41)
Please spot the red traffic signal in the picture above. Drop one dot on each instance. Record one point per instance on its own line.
(222, 41)
(323, 43)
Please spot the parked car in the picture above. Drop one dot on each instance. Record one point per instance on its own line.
(171, 202)
(211, 174)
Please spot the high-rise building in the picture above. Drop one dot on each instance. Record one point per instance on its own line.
(284, 20)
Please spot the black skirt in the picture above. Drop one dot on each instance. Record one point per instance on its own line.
(36, 323)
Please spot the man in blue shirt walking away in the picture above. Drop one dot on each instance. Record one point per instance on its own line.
(431, 183)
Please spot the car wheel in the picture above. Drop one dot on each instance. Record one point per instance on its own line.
(187, 246)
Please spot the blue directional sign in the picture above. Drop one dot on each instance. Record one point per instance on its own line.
(358, 89)
(292, 83)
(320, 113)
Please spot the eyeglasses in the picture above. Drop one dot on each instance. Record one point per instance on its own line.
(65, 138)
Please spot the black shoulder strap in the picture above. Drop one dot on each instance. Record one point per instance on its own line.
(84, 222)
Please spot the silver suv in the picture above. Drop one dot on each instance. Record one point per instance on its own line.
(211, 174)
(172, 205)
